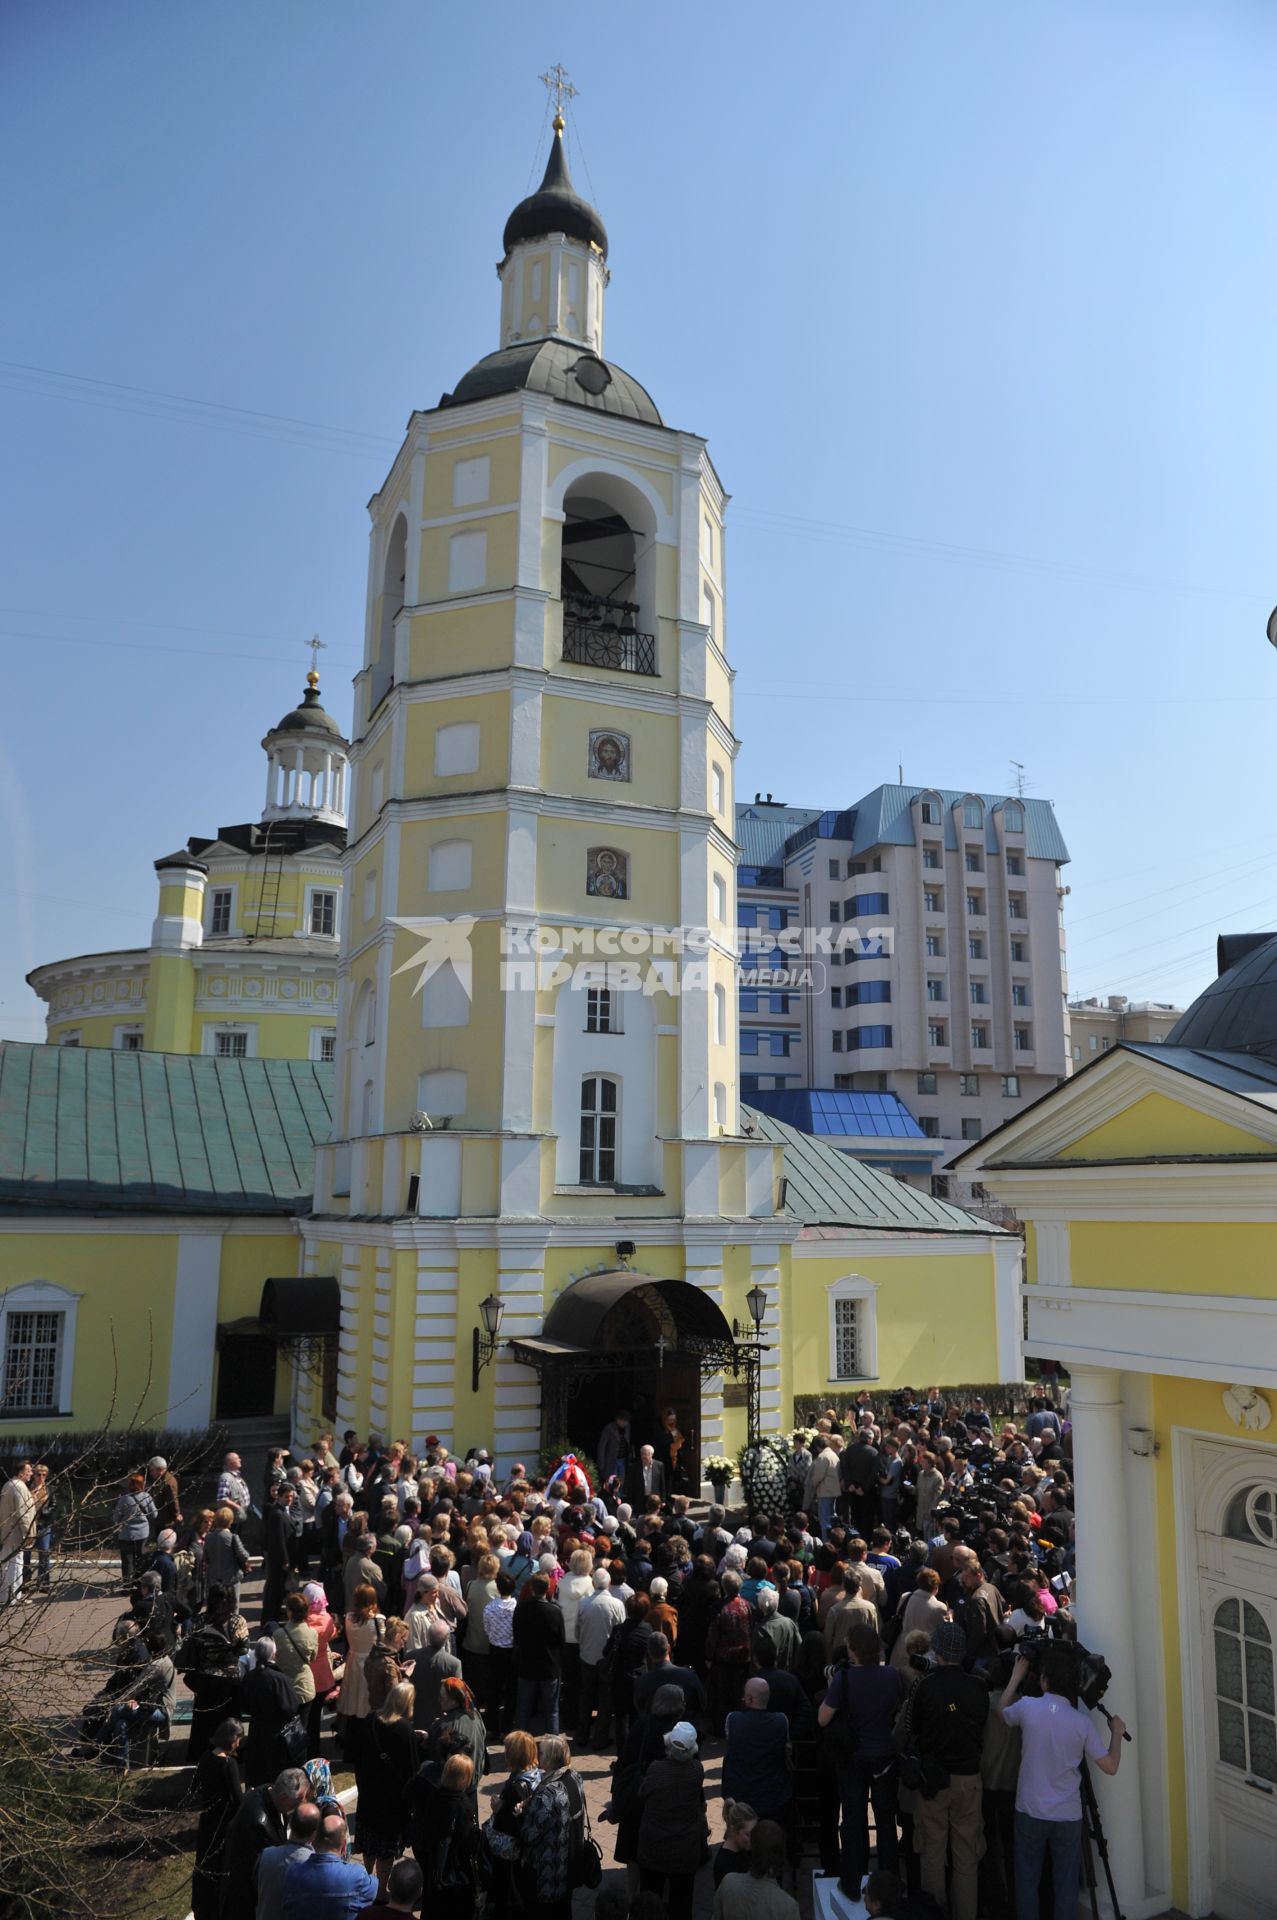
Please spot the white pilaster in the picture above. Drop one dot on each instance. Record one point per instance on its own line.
(190, 1376)
(1105, 1603)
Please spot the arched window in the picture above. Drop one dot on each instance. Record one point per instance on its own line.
(972, 812)
(364, 1024)
(394, 593)
(1244, 1702)
(1013, 817)
(599, 1105)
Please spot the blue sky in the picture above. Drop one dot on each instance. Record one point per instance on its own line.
(973, 302)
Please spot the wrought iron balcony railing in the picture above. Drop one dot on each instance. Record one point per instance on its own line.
(604, 633)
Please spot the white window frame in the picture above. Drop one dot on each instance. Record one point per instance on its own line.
(323, 886)
(854, 1286)
(317, 1037)
(41, 1296)
(599, 1115)
(247, 1028)
(719, 886)
(73, 1037)
(233, 919)
(602, 1004)
(718, 787)
(122, 1033)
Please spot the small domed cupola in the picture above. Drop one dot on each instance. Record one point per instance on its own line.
(307, 763)
(556, 206)
(554, 273)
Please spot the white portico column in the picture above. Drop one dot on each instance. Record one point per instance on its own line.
(1104, 1609)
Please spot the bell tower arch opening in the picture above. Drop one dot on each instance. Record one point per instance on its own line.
(607, 575)
(394, 594)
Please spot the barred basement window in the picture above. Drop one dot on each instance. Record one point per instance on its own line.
(32, 1361)
(846, 1339)
(327, 1046)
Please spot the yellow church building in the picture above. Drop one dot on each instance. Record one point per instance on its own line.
(523, 1191)
(1147, 1185)
(242, 961)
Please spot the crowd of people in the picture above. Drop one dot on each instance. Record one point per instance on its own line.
(891, 1635)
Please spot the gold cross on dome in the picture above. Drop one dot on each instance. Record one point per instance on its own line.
(316, 646)
(557, 82)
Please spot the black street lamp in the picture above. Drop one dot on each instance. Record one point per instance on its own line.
(485, 1339)
(752, 1352)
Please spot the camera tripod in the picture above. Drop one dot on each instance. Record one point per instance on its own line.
(1093, 1842)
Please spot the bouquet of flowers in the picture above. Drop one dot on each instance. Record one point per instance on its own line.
(717, 1469)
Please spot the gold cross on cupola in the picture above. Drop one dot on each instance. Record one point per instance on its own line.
(556, 81)
(316, 646)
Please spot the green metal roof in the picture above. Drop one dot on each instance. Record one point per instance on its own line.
(101, 1130)
(831, 1189)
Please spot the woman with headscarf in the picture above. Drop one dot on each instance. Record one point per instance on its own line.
(270, 1700)
(673, 1831)
(643, 1745)
(324, 1628)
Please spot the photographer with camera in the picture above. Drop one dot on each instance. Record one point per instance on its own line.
(944, 1741)
(1056, 1738)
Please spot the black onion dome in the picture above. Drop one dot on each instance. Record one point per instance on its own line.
(308, 717)
(1238, 1011)
(555, 207)
(563, 372)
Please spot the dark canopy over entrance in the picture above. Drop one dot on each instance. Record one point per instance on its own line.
(300, 1315)
(633, 1340)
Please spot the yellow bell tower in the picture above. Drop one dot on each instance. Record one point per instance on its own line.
(538, 1020)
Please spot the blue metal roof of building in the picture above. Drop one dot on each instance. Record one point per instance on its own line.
(884, 819)
(762, 830)
(839, 1114)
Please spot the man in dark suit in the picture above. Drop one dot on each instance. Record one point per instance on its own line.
(645, 1476)
(283, 1536)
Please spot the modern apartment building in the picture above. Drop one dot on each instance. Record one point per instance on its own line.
(946, 981)
(1097, 1025)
